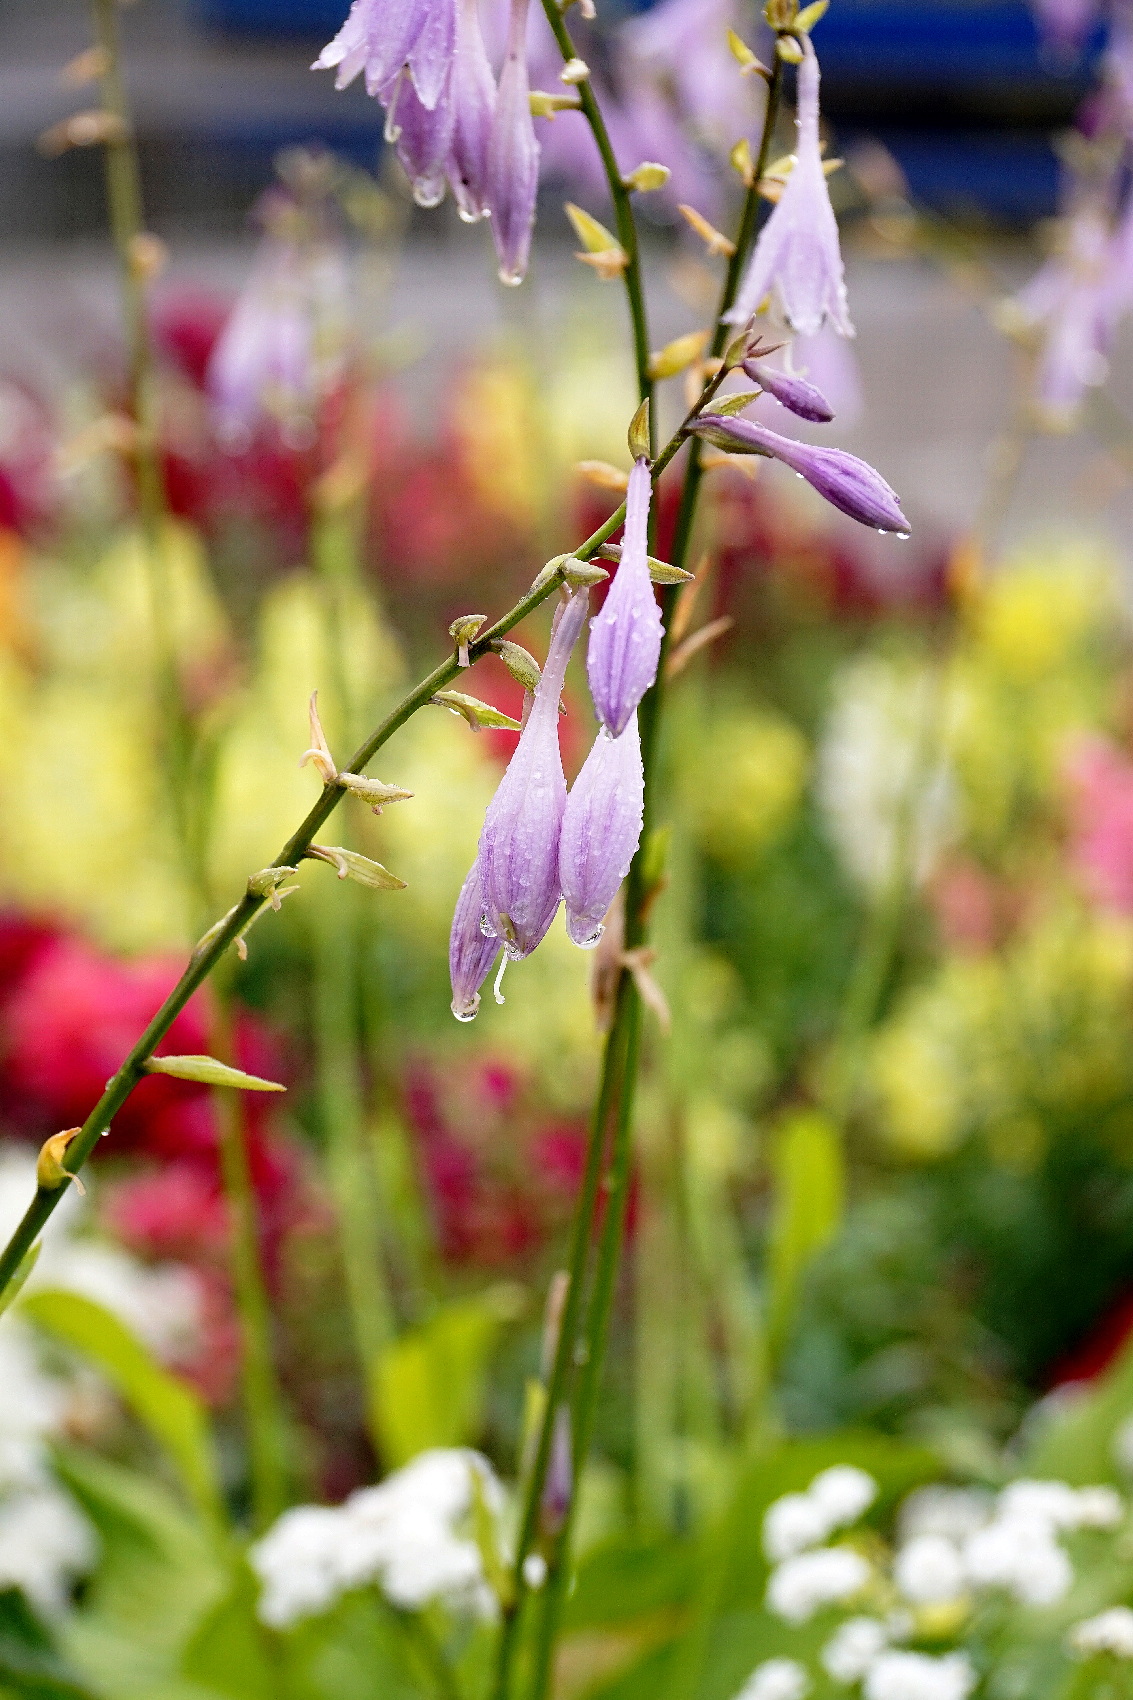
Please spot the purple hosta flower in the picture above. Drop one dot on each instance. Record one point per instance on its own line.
(601, 830)
(1075, 298)
(471, 951)
(625, 638)
(791, 392)
(513, 155)
(519, 845)
(1065, 23)
(423, 138)
(681, 45)
(473, 96)
(848, 483)
(284, 346)
(381, 36)
(797, 259)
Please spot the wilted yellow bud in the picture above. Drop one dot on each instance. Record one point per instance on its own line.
(742, 163)
(647, 176)
(638, 434)
(677, 355)
(714, 240)
(50, 1174)
(462, 631)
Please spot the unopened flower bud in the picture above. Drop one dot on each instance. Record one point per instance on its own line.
(513, 155)
(478, 714)
(625, 637)
(471, 951)
(520, 663)
(351, 864)
(847, 483)
(601, 830)
(519, 845)
(791, 392)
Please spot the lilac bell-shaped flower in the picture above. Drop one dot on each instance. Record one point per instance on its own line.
(601, 830)
(471, 951)
(791, 392)
(473, 96)
(513, 155)
(625, 637)
(519, 844)
(846, 482)
(379, 37)
(797, 259)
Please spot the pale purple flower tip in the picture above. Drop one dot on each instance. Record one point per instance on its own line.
(376, 38)
(519, 844)
(601, 830)
(797, 259)
(847, 482)
(473, 97)
(791, 392)
(625, 637)
(430, 57)
(423, 138)
(513, 156)
(471, 952)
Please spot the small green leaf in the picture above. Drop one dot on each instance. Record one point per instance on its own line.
(810, 15)
(209, 1072)
(638, 435)
(730, 404)
(349, 864)
(168, 1407)
(595, 238)
(520, 663)
(476, 713)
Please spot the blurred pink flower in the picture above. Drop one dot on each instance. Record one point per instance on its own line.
(1100, 777)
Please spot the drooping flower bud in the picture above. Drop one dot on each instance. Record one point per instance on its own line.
(847, 483)
(797, 258)
(625, 637)
(471, 952)
(790, 392)
(513, 156)
(519, 845)
(473, 92)
(601, 830)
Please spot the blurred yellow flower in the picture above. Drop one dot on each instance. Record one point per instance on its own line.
(760, 763)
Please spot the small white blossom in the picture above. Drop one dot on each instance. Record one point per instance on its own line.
(776, 1679)
(802, 1585)
(1110, 1632)
(1100, 1508)
(1052, 1503)
(952, 1512)
(1022, 1557)
(918, 1676)
(843, 1492)
(45, 1544)
(407, 1534)
(929, 1570)
(791, 1524)
(850, 1652)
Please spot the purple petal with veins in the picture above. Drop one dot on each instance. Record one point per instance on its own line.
(601, 830)
(519, 844)
(846, 482)
(797, 260)
(625, 637)
(513, 156)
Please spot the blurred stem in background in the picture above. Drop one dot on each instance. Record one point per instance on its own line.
(337, 979)
(187, 779)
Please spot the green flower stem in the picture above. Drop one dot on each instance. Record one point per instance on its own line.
(565, 1353)
(623, 213)
(268, 1445)
(625, 1036)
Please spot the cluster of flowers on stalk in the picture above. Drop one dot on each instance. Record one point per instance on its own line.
(957, 1550)
(540, 844)
(453, 123)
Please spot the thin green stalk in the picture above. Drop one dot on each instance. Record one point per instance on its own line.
(623, 213)
(627, 1026)
(267, 1430)
(429, 1654)
(565, 1353)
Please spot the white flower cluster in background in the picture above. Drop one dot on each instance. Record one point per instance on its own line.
(410, 1536)
(953, 1545)
(808, 1576)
